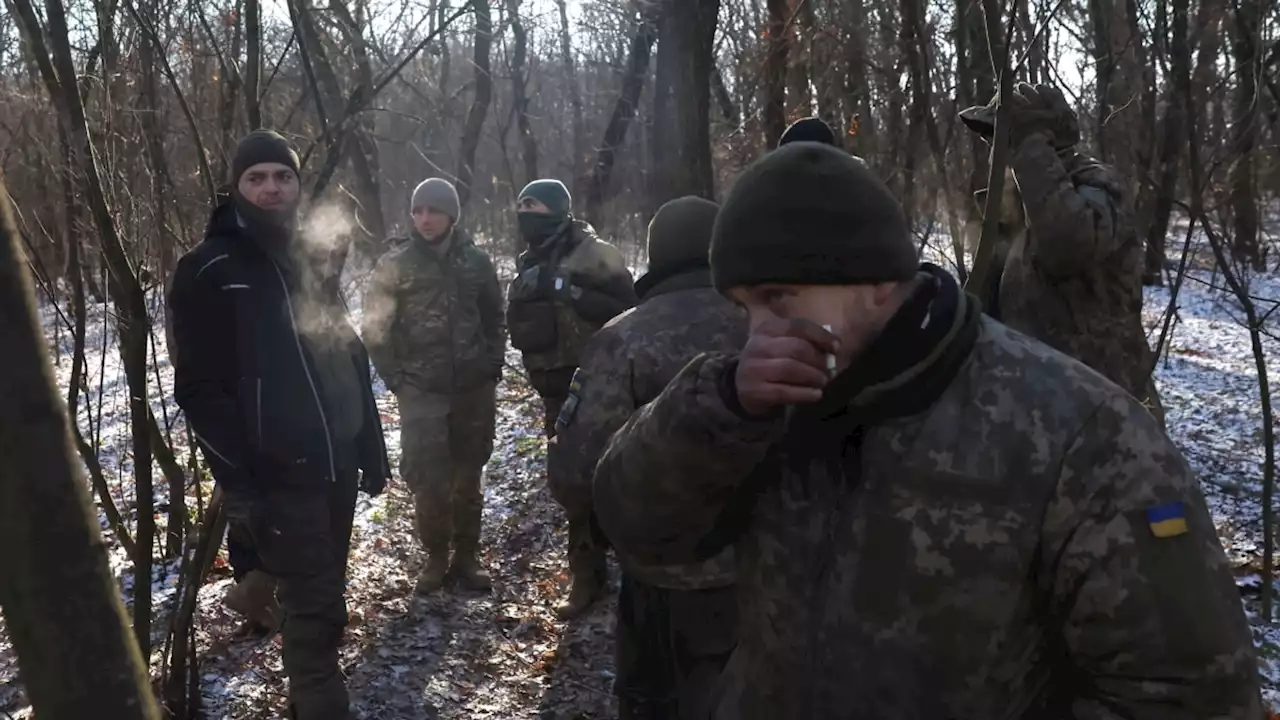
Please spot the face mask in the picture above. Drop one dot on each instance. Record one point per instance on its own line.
(537, 228)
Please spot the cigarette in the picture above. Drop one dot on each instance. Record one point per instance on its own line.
(831, 358)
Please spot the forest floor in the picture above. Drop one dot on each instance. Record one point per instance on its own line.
(454, 654)
(505, 654)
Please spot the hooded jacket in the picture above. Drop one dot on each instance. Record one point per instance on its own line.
(246, 372)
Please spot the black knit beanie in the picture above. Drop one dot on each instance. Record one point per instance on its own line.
(809, 129)
(262, 146)
(810, 214)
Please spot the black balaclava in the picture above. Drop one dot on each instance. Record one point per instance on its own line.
(537, 228)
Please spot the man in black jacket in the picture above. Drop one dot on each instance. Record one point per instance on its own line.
(276, 387)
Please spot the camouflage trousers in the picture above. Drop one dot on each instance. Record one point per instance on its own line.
(446, 441)
(671, 648)
(303, 539)
(586, 551)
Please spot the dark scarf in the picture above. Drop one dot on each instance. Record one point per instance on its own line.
(660, 281)
(903, 373)
(548, 250)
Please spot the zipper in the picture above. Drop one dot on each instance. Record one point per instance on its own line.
(297, 341)
(260, 413)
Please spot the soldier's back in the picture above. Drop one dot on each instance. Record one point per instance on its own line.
(669, 328)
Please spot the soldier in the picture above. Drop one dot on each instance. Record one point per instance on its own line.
(934, 515)
(675, 623)
(433, 321)
(569, 284)
(276, 387)
(1070, 263)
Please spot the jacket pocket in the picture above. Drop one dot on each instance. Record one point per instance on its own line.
(532, 326)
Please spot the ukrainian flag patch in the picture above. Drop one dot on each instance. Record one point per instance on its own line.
(1169, 520)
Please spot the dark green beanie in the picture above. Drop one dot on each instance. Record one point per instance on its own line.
(810, 214)
(680, 233)
(551, 193)
(262, 146)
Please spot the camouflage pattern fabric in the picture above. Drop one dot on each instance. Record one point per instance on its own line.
(304, 542)
(1031, 546)
(547, 298)
(446, 441)
(432, 322)
(671, 647)
(626, 365)
(1073, 279)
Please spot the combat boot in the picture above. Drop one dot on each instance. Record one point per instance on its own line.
(432, 577)
(255, 598)
(466, 568)
(588, 587)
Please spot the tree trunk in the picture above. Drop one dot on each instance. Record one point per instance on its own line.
(575, 94)
(127, 294)
(253, 69)
(682, 102)
(1245, 42)
(624, 110)
(60, 601)
(519, 82)
(860, 125)
(479, 104)
(775, 73)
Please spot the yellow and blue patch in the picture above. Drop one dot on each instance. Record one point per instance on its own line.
(1168, 520)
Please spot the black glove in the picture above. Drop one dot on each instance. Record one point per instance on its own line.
(372, 483)
(245, 509)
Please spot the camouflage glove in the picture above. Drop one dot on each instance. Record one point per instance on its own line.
(1033, 109)
(1042, 109)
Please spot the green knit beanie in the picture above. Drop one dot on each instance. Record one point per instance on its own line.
(680, 233)
(810, 214)
(551, 193)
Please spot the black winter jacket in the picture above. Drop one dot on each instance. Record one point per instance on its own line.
(244, 375)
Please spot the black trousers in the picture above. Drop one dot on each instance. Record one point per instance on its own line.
(302, 539)
(671, 647)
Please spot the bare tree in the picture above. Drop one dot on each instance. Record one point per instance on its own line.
(60, 604)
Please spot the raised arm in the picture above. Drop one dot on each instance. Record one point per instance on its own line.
(670, 472)
(1072, 229)
(202, 313)
(1151, 621)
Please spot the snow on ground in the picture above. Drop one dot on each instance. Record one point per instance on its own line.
(505, 655)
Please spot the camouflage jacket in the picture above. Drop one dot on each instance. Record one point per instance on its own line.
(563, 293)
(435, 322)
(1031, 546)
(1074, 279)
(626, 365)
